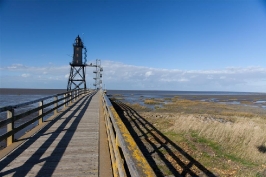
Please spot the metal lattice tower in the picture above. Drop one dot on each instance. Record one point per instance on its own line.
(98, 75)
(77, 70)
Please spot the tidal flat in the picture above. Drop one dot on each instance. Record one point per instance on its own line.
(225, 133)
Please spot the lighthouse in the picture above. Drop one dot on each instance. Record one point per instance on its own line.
(77, 56)
(77, 78)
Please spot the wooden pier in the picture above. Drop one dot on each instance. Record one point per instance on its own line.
(84, 138)
(67, 147)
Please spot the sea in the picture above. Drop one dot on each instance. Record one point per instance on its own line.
(11, 97)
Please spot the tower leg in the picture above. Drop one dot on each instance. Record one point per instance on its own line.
(84, 77)
(76, 77)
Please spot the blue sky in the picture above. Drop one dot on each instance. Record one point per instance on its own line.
(200, 45)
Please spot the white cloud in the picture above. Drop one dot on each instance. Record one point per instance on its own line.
(25, 75)
(148, 73)
(122, 76)
(40, 77)
(183, 80)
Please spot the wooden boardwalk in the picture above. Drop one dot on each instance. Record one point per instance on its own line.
(67, 146)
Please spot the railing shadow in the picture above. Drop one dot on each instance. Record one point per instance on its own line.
(50, 162)
(169, 153)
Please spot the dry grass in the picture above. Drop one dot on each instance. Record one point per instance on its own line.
(228, 139)
(241, 138)
(226, 148)
(153, 101)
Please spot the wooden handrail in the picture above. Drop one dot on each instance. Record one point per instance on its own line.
(126, 157)
(2, 109)
(68, 97)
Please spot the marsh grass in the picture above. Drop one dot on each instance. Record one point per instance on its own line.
(225, 147)
(241, 137)
(246, 102)
(167, 99)
(139, 107)
(199, 107)
(153, 101)
(228, 139)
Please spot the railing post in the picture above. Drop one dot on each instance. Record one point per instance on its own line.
(71, 96)
(55, 105)
(10, 126)
(68, 98)
(41, 112)
(65, 100)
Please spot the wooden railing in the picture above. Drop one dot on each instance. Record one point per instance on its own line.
(66, 98)
(126, 158)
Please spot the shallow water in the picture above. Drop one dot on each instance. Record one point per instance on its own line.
(231, 98)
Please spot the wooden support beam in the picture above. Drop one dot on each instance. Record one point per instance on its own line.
(10, 126)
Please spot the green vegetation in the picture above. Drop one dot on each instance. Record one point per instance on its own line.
(219, 151)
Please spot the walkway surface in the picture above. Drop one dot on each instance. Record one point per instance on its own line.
(67, 146)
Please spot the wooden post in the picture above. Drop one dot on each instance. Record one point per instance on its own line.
(10, 126)
(55, 105)
(71, 96)
(41, 112)
(65, 97)
(68, 98)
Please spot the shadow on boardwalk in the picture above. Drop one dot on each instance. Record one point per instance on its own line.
(49, 163)
(164, 156)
